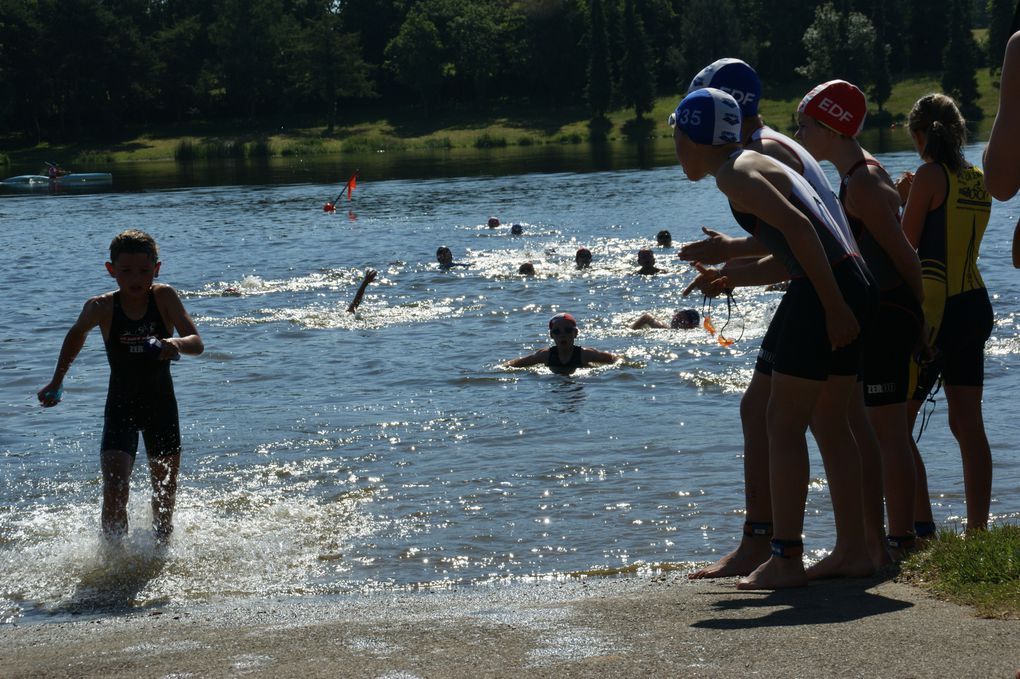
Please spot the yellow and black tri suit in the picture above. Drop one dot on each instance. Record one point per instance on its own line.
(956, 303)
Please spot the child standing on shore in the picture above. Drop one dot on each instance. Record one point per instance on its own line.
(811, 346)
(945, 216)
(137, 321)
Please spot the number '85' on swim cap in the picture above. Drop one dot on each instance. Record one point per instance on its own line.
(708, 116)
(735, 78)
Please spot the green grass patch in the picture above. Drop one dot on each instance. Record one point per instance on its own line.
(91, 158)
(5, 160)
(981, 569)
(489, 141)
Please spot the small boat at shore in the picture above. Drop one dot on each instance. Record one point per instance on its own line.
(71, 178)
(74, 182)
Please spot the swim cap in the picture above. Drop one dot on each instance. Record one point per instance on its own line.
(735, 78)
(838, 105)
(442, 249)
(562, 317)
(664, 238)
(684, 319)
(708, 116)
(516, 229)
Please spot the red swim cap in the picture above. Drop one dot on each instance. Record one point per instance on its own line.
(838, 105)
(562, 317)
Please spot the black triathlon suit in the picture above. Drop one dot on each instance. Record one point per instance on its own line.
(797, 341)
(554, 364)
(141, 395)
(890, 339)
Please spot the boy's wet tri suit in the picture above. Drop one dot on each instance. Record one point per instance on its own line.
(554, 364)
(812, 171)
(956, 303)
(141, 394)
(797, 341)
(893, 333)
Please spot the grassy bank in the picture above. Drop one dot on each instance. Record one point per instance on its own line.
(502, 126)
(980, 570)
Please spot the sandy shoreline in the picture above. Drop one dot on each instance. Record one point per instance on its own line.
(627, 627)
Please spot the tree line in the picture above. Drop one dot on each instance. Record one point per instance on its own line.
(71, 69)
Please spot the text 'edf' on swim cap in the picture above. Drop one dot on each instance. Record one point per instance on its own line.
(735, 78)
(838, 105)
(708, 116)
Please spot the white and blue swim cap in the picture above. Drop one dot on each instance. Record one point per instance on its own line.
(734, 77)
(708, 116)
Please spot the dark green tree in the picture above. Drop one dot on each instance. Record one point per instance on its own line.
(331, 67)
(1000, 17)
(839, 45)
(702, 42)
(600, 89)
(960, 59)
(416, 58)
(930, 22)
(637, 84)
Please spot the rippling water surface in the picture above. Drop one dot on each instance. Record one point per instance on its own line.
(327, 453)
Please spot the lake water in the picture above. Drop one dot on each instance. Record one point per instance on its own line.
(327, 453)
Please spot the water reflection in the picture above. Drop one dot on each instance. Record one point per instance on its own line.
(568, 395)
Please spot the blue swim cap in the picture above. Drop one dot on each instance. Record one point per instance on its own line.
(708, 116)
(735, 78)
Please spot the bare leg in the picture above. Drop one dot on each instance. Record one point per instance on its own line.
(753, 549)
(850, 557)
(163, 474)
(791, 403)
(869, 446)
(116, 466)
(967, 424)
(900, 477)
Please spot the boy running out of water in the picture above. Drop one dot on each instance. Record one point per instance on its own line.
(138, 321)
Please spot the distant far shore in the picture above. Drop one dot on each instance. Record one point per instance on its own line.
(500, 126)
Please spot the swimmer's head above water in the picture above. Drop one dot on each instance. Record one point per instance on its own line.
(684, 319)
(444, 256)
(664, 238)
(563, 329)
(493, 222)
(582, 258)
(526, 269)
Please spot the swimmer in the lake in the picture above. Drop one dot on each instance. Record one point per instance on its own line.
(445, 258)
(526, 269)
(664, 238)
(493, 222)
(369, 277)
(565, 357)
(683, 319)
(646, 260)
(516, 229)
(582, 258)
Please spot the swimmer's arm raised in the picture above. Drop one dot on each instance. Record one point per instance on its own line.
(369, 277)
(536, 358)
(91, 315)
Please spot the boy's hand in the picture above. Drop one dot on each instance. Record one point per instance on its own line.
(49, 395)
(170, 351)
(370, 275)
(712, 250)
(710, 282)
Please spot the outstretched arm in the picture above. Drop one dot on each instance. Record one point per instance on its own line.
(536, 358)
(90, 317)
(369, 277)
(596, 356)
(718, 248)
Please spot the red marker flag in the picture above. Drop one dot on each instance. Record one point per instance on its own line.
(351, 183)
